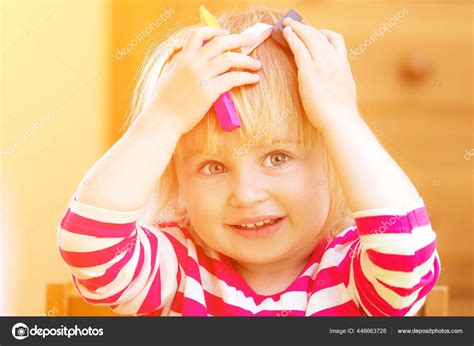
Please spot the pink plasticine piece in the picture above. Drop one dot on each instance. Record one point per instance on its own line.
(226, 113)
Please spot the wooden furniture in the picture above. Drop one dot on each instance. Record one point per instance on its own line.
(64, 300)
(437, 302)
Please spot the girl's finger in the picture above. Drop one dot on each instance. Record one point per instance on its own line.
(337, 41)
(196, 38)
(314, 40)
(228, 60)
(172, 62)
(300, 52)
(229, 80)
(223, 43)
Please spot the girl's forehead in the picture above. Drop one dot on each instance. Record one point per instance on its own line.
(219, 142)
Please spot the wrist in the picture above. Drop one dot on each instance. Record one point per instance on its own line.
(156, 122)
(339, 118)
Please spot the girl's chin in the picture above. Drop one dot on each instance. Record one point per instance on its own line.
(257, 258)
(253, 252)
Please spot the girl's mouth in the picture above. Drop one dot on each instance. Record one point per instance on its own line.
(261, 228)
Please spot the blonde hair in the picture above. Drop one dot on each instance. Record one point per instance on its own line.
(257, 105)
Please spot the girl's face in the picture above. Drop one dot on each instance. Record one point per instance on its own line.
(274, 181)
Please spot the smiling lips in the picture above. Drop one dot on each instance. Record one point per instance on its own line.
(259, 227)
(257, 223)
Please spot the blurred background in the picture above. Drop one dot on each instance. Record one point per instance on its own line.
(69, 67)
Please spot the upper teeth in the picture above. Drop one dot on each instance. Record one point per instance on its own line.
(258, 224)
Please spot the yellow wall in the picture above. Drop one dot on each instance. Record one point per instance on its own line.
(54, 119)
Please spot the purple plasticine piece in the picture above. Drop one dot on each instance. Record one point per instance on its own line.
(277, 32)
(226, 113)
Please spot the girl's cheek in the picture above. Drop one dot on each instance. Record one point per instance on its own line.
(200, 183)
(207, 194)
(314, 191)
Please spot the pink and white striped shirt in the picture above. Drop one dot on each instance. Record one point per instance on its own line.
(384, 265)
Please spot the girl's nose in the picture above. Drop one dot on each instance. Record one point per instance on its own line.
(246, 190)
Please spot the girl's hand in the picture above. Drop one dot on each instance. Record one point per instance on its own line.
(191, 83)
(326, 85)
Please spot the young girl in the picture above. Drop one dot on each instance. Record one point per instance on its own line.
(300, 212)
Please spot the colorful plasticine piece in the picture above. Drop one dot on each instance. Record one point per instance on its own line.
(224, 106)
(277, 33)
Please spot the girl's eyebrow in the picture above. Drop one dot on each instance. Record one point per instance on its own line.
(193, 155)
(259, 145)
(280, 141)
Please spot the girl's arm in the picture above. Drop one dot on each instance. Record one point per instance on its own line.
(114, 260)
(395, 263)
(124, 177)
(369, 176)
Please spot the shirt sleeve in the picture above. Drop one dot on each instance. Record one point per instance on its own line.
(395, 264)
(115, 261)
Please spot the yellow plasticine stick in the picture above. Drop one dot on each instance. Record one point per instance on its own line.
(224, 106)
(207, 18)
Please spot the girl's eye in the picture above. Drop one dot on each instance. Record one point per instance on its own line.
(277, 159)
(213, 168)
